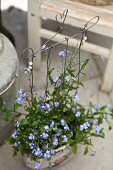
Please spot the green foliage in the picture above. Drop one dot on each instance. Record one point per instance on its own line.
(84, 64)
(80, 123)
(86, 150)
(7, 115)
(110, 124)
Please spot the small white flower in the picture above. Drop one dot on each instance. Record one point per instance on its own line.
(67, 78)
(73, 78)
(43, 47)
(30, 67)
(30, 63)
(84, 38)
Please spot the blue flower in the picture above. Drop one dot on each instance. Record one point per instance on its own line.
(37, 166)
(65, 138)
(44, 135)
(108, 105)
(16, 144)
(46, 128)
(74, 110)
(31, 137)
(31, 145)
(52, 151)
(47, 154)
(81, 127)
(43, 95)
(52, 124)
(97, 130)
(47, 105)
(96, 106)
(76, 99)
(78, 114)
(27, 164)
(67, 78)
(19, 100)
(84, 126)
(27, 70)
(46, 146)
(106, 116)
(17, 123)
(58, 134)
(4, 102)
(93, 110)
(23, 95)
(55, 79)
(62, 54)
(93, 154)
(20, 91)
(102, 58)
(19, 142)
(66, 127)
(56, 104)
(52, 164)
(91, 121)
(14, 135)
(38, 152)
(55, 141)
(62, 122)
(38, 105)
(71, 134)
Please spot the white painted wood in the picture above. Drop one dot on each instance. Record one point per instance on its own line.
(108, 75)
(78, 15)
(34, 24)
(72, 42)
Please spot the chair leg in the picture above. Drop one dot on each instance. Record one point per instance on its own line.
(108, 75)
(34, 24)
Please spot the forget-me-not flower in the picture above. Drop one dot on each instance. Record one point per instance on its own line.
(78, 114)
(37, 166)
(31, 136)
(55, 79)
(62, 54)
(56, 104)
(76, 99)
(52, 124)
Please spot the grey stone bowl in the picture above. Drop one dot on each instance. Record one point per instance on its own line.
(9, 64)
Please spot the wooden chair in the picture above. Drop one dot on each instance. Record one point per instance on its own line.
(78, 15)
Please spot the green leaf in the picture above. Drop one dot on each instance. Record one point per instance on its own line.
(74, 148)
(16, 117)
(110, 124)
(95, 135)
(86, 150)
(24, 122)
(84, 64)
(100, 118)
(50, 71)
(50, 78)
(79, 83)
(102, 108)
(16, 106)
(6, 117)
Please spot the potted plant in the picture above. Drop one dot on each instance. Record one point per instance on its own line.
(55, 121)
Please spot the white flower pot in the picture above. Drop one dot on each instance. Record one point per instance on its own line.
(61, 156)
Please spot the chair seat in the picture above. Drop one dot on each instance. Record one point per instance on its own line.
(79, 11)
